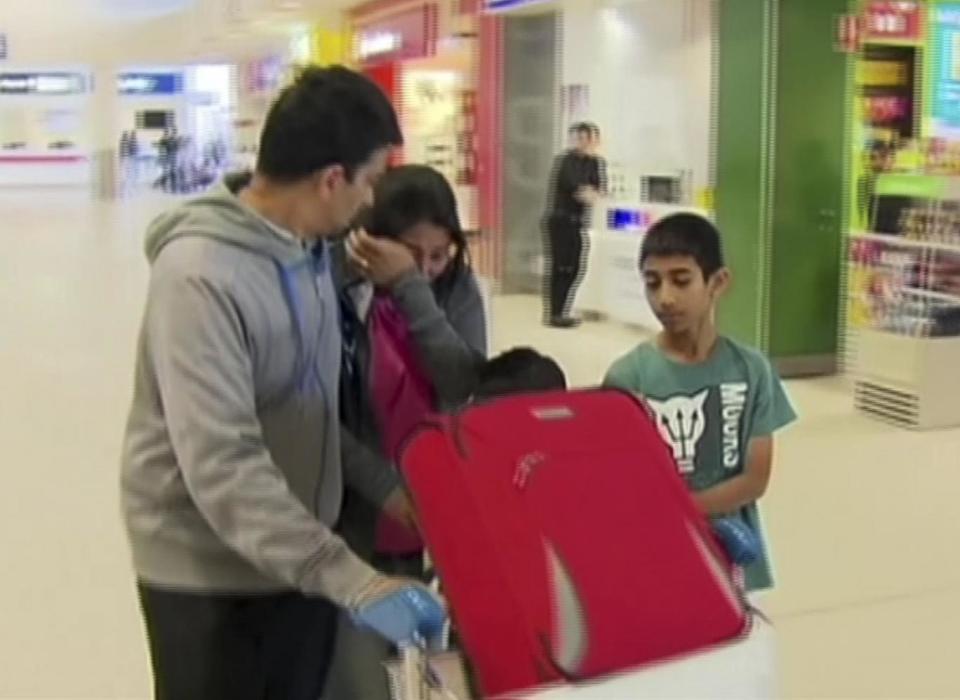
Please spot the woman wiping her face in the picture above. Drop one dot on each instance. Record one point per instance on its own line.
(414, 341)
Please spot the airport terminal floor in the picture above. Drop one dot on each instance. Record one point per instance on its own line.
(861, 517)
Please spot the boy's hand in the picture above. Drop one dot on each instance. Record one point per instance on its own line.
(382, 261)
(739, 540)
(733, 494)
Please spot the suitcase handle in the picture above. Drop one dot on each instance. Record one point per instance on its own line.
(456, 418)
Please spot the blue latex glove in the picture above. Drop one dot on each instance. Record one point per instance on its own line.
(411, 615)
(739, 540)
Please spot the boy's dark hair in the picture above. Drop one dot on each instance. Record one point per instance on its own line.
(328, 116)
(413, 194)
(685, 234)
(519, 371)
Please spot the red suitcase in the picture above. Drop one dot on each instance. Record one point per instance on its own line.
(567, 544)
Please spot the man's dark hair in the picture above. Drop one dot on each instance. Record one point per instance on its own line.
(688, 235)
(518, 371)
(328, 116)
(585, 128)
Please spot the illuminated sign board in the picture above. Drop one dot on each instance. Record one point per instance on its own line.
(503, 5)
(150, 83)
(42, 83)
(946, 66)
(894, 20)
(410, 34)
(379, 43)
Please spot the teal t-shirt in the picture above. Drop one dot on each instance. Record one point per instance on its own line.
(708, 413)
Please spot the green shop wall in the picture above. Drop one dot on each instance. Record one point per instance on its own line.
(780, 176)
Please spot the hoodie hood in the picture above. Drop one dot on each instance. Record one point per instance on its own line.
(221, 215)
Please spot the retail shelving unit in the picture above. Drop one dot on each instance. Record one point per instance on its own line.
(905, 304)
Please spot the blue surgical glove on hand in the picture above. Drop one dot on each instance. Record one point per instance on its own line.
(738, 539)
(409, 615)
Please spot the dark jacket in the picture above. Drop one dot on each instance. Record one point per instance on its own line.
(448, 327)
(571, 171)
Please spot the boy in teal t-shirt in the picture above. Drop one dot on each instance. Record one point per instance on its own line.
(717, 403)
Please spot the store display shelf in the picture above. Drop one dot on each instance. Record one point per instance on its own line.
(930, 186)
(908, 381)
(932, 294)
(904, 242)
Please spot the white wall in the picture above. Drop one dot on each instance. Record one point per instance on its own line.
(215, 86)
(95, 32)
(648, 67)
(39, 33)
(37, 121)
(24, 117)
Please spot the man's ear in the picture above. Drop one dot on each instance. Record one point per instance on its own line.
(720, 282)
(329, 179)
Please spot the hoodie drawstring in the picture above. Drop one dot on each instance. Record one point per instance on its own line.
(305, 366)
(302, 369)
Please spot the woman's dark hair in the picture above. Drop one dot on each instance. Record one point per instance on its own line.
(688, 235)
(409, 195)
(327, 116)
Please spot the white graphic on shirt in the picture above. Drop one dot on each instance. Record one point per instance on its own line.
(733, 400)
(681, 422)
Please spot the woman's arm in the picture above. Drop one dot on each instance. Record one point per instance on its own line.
(451, 340)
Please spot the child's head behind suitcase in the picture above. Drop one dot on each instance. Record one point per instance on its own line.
(519, 371)
(681, 262)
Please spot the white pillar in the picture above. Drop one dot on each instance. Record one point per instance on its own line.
(105, 132)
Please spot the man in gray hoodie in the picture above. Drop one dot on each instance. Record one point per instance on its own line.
(234, 460)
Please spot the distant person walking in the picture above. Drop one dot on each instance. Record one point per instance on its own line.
(168, 151)
(129, 154)
(576, 183)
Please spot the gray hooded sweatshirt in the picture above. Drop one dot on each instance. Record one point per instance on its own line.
(231, 474)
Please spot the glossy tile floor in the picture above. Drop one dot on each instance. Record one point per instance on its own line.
(862, 517)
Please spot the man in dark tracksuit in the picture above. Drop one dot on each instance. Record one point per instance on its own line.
(578, 178)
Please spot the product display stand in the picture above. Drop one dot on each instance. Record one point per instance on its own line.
(908, 381)
(905, 303)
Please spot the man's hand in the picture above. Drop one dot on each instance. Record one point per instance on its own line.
(381, 587)
(382, 261)
(399, 507)
(402, 612)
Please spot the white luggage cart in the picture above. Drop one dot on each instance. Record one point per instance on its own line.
(744, 670)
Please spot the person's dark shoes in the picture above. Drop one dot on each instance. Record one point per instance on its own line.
(563, 322)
